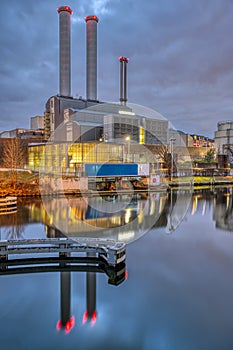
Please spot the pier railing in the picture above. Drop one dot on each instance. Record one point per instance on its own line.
(64, 254)
(113, 252)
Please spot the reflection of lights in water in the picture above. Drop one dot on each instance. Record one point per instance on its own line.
(127, 215)
(195, 201)
(161, 205)
(140, 217)
(116, 220)
(93, 318)
(68, 326)
(228, 200)
(91, 216)
(125, 236)
(204, 208)
(86, 317)
(152, 207)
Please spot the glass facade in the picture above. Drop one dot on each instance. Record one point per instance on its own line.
(65, 157)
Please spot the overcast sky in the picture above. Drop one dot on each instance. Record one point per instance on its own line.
(181, 57)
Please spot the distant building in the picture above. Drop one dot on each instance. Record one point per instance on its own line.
(189, 140)
(202, 141)
(180, 138)
(224, 143)
(32, 135)
(224, 137)
(37, 122)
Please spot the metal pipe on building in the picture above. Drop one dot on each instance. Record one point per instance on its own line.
(91, 47)
(64, 51)
(123, 79)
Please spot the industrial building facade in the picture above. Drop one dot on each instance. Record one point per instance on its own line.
(89, 120)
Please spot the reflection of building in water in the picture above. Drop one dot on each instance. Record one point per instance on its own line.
(66, 321)
(178, 205)
(90, 313)
(124, 219)
(223, 213)
(201, 202)
(12, 226)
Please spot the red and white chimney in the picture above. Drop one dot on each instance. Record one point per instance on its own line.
(91, 47)
(64, 50)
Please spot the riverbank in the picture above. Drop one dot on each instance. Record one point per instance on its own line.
(32, 188)
(201, 181)
(20, 190)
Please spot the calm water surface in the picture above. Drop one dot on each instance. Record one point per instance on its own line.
(179, 290)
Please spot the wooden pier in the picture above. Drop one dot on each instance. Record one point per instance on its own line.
(8, 205)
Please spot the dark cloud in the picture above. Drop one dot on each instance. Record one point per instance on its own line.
(180, 57)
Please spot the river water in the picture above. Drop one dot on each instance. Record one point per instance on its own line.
(179, 286)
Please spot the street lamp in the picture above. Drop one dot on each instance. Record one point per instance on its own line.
(104, 138)
(207, 140)
(172, 140)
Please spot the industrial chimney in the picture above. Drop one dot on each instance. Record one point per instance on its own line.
(91, 57)
(64, 48)
(123, 79)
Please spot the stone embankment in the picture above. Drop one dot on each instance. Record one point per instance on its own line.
(19, 190)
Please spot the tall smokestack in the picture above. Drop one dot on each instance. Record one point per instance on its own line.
(123, 79)
(91, 57)
(64, 48)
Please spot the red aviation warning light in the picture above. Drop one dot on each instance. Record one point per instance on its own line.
(68, 326)
(87, 317)
(91, 18)
(123, 59)
(93, 318)
(58, 326)
(64, 8)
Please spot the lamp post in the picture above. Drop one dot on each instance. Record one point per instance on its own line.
(172, 140)
(206, 147)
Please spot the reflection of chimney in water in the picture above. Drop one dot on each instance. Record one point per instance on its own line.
(123, 79)
(66, 322)
(64, 50)
(91, 80)
(90, 313)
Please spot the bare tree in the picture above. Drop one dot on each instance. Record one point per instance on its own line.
(167, 159)
(13, 156)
